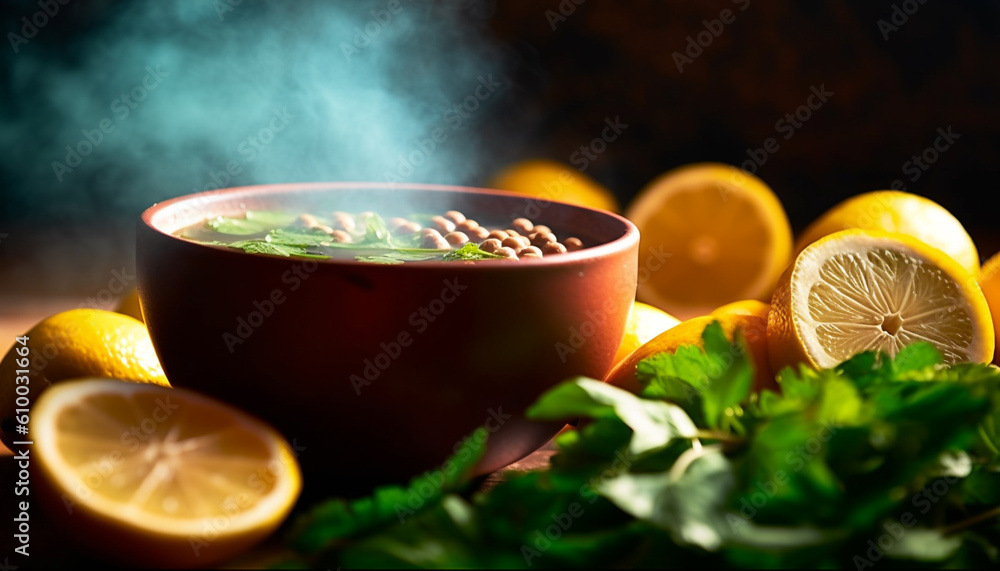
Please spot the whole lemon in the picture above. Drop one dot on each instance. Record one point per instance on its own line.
(551, 180)
(67, 345)
(689, 333)
(644, 323)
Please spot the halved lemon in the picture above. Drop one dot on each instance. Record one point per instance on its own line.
(710, 234)
(151, 476)
(858, 290)
(899, 212)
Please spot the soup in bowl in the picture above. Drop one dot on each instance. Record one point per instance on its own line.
(378, 325)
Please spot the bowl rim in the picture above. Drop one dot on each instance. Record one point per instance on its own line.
(628, 239)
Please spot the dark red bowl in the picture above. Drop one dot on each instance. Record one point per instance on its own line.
(377, 372)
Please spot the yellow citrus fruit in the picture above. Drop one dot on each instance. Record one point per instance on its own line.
(689, 333)
(551, 180)
(710, 234)
(858, 290)
(71, 344)
(902, 212)
(989, 281)
(129, 305)
(743, 307)
(150, 476)
(644, 323)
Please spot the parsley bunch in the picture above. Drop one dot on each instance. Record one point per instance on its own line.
(877, 462)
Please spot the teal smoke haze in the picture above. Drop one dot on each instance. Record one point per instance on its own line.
(168, 97)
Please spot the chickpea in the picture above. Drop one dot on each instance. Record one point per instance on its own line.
(499, 235)
(522, 225)
(542, 238)
(309, 221)
(506, 253)
(431, 238)
(344, 221)
(443, 224)
(530, 252)
(408, 228)
(543, 229)
(455, 216)
(467, 225)
(514, 243)
(456, 239)
(340, 236)
(573, 244)
(552, 248)
(490, 246)
(512, 232)
(395, 223)
(480, 233)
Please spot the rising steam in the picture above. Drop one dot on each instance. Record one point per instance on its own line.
(168, 97)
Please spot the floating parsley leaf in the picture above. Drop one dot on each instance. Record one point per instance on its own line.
(469, 251)
(254, 222)
(299, 237)
(265, 247)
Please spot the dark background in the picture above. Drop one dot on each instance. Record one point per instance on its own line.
(564, 75)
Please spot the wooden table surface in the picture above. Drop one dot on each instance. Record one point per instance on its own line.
(47, 550)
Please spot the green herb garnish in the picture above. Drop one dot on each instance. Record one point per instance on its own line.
(254, 222)
(278, 235)
(879, 461)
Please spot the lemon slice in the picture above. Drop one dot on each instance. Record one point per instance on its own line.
(710, 234)
(859, 290)
(153, 476)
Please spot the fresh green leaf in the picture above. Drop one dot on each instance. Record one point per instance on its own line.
(715, 380)
(264, 247)
(254, 222)
(340, 519)
(469, 252)
(299, 237)
(654, 423)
